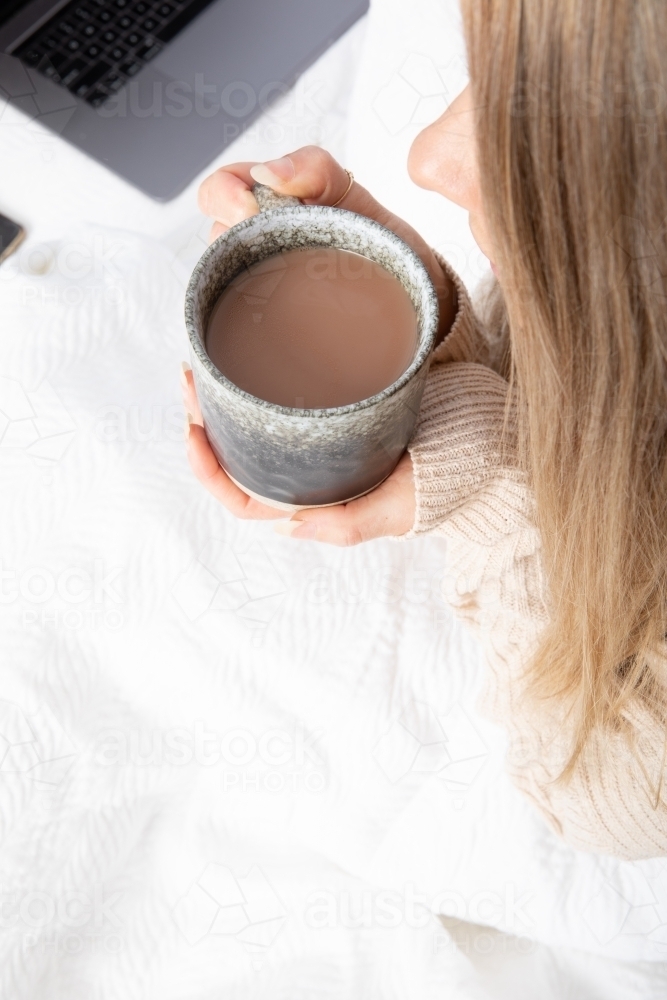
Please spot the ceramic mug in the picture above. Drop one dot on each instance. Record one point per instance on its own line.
(294, 458)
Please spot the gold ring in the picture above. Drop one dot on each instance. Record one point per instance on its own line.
(347, 189)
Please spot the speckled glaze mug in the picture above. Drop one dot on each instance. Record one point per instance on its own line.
(295, 458)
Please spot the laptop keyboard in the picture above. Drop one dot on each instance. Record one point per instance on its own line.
(93, 47)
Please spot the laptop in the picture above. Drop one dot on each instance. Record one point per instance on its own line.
(156, 89)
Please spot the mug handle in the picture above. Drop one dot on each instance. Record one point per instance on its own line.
(267, 198)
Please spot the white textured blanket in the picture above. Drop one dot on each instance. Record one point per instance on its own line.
(231, 764)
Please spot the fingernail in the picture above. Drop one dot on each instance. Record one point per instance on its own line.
(295, 529)
(185, 368)
(189, 420)
(274, 172)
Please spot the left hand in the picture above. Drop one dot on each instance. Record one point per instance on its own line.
(387, 510)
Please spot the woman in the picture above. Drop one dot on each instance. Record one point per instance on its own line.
(540, 451)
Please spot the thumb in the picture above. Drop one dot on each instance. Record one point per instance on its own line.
(309, 173)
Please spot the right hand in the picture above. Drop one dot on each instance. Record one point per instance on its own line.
(312, 174)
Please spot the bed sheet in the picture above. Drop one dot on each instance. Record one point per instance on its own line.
(226, 752)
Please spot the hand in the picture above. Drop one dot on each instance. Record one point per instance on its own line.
(387, 510)
(311, 174)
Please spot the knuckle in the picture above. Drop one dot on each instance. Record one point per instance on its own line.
(204, 194)
(353, 536)
(316, 154)
(320, 162)
(213, 191)
(324, 157)
(327, 166)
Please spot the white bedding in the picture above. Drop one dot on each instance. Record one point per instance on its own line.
(235, 765)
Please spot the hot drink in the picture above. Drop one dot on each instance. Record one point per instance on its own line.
(313, 329)
(314, 335)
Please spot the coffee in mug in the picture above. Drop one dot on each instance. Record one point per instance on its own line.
(313, 328)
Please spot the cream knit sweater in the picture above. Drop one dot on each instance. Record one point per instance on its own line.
(495, 583)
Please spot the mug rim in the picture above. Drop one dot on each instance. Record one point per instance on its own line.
(420, 357)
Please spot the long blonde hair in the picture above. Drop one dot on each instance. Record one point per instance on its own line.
(572, 144)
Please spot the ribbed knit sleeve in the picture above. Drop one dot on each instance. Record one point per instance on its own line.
(469, 490)
(458, 453)
(462, 444)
